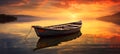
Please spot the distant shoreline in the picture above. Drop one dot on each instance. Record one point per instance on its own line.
(115, 18)
(18, 18)
(7, 18)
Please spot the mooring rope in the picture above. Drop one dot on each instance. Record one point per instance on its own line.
(28, 33)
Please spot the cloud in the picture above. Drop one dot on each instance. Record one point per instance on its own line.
(13, 6)
(40, 7)
(88, 7)
(56, 3)
(13, 2)
(23, 3)
(68, 3)
(41, 3)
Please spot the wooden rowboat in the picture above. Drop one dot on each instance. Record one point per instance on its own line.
(55, 30)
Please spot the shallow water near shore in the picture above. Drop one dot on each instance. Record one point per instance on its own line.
(97, 37)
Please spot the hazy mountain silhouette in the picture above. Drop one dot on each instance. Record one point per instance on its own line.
(28, 18)
(25, 16)
(115, 18)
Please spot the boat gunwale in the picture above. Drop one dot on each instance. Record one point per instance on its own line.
(54, 29)
(40, 27)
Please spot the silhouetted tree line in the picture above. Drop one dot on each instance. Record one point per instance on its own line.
(7, 18)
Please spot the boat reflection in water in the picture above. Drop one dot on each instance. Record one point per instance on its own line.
(54, 41)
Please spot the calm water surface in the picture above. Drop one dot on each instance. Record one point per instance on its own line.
(97, 37)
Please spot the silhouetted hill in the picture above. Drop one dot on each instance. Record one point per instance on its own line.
(115, 18)
(7, 18)
(25, 16)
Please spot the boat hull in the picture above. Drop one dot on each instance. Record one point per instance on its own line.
(58, 30)
(41, 32)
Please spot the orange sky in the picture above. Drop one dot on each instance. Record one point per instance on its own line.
(61, 8)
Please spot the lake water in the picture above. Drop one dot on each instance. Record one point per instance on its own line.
(97, 37)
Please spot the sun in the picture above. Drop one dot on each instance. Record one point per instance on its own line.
(73, 16)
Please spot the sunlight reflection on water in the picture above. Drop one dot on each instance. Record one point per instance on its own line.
(96, 35)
